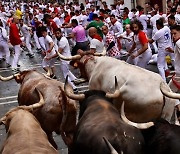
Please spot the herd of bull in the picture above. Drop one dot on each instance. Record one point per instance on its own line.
(127, 110)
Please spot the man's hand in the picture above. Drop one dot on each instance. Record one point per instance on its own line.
(81, 52)
(47, 58)
(134, 55)
(44, 53)
(169, 49)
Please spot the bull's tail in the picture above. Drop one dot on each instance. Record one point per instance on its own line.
(113, 151)
(166, 91)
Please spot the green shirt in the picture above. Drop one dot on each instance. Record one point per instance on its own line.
(125, 22)
(97, 25)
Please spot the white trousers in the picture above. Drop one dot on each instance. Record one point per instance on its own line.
(48, 63)
(42, 43)
(161, 63)
(5, 51)
(17, 53)
(36, 40)
(143, 59)
(28, 45)
(66, 71)
(132, 61)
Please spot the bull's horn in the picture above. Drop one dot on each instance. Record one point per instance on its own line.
(68, 58)
(168, 93)
(103, 53)
(36, 105)
(2, 120)
(117, 91)
(6, 78)
(49, 72)
(69, 91)
(113, 151)
(137, 125)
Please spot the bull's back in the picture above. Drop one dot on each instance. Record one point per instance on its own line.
(98, 122)
(139, 88)
(25, 135)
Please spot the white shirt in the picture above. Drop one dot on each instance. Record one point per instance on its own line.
(64, 44)
(25, 30)
(84, 21)
(117, 28)
(128, 43)
(115, 12)
(96, 44)
(177, 18)
(143, 19)
(153, 22)
(57, 21)
(47, 41)
(139, 45)
(163, 38)
(177, 57)
(3, 35)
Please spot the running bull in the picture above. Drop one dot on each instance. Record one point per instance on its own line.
(58, 113)
(160, 136)
(146, 95)
(24, 133)
(100, 124)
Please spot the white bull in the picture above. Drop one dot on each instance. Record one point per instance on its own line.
(146, 95)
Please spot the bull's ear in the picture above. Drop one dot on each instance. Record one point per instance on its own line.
(3, 120)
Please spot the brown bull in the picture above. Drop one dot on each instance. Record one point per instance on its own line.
(99, 120)
(58, 113)
(24, 133)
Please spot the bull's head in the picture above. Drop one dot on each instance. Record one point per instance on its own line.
(69, 92)
(79, 61)
(9, 115)
(137, 125)
(19, 77)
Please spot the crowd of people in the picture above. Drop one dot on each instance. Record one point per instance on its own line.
(139, 33)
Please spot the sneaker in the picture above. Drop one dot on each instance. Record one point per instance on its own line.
(31, 55)
(28, 54)
(39, 50)
(75, 91)
(8, 65)
(53, 76)
(15, 70)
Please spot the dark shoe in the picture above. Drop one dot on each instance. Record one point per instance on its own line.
(8, 65)
(75, 91)
(18, 65)
(39, 50)
(15, 70)
(28, 54)
(31, 55)
(53, 76)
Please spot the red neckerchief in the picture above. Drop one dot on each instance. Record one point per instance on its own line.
(140, 13)
(114, 22)
(176, 83)
(98, 37)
